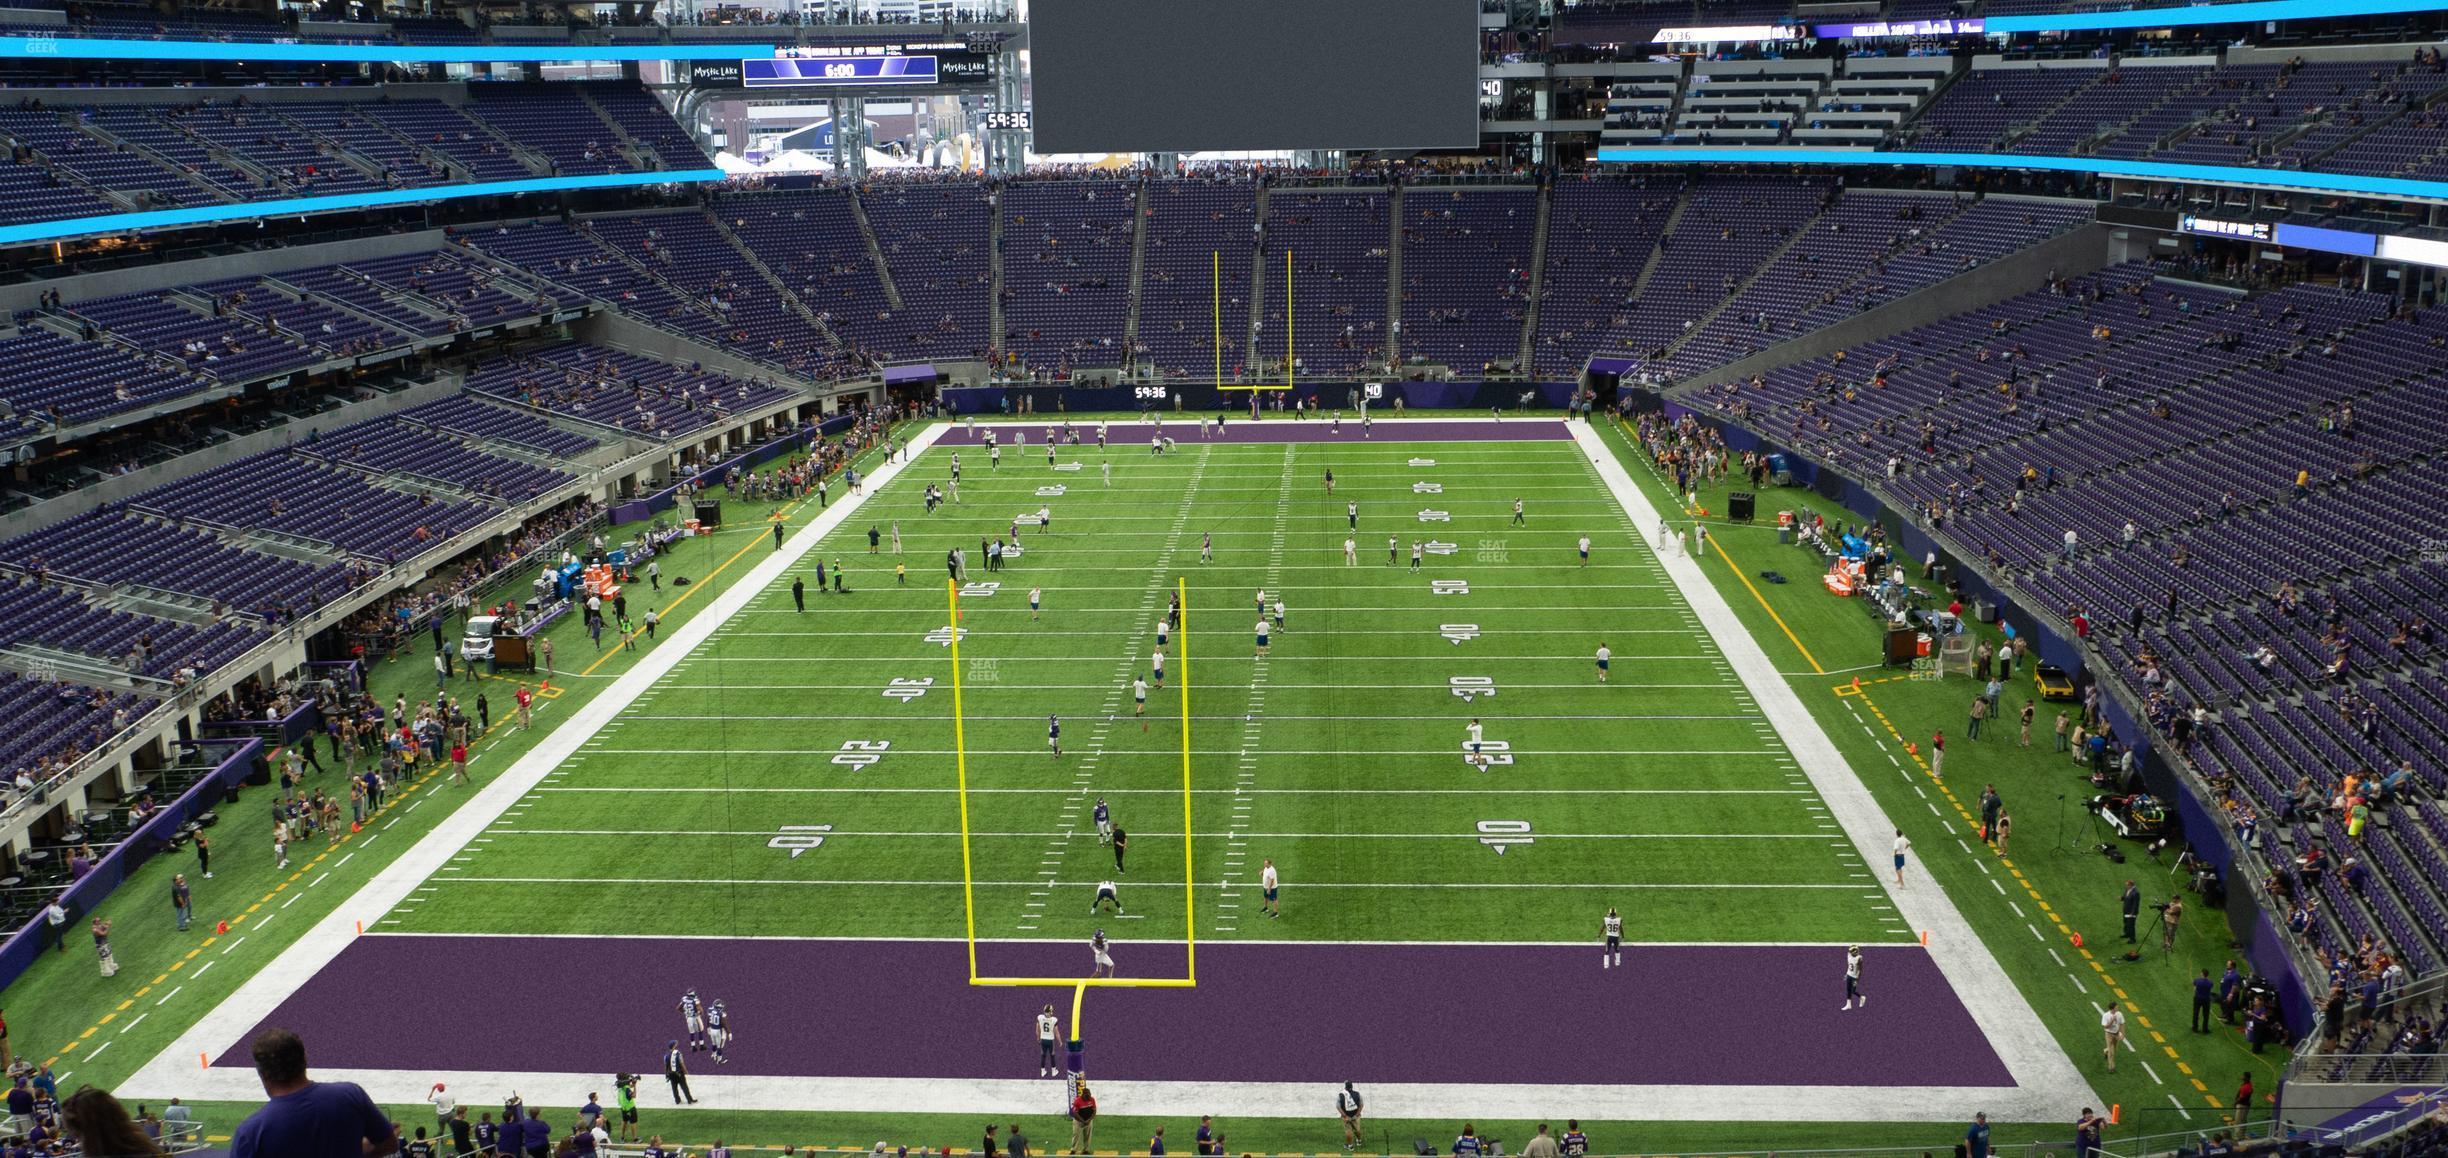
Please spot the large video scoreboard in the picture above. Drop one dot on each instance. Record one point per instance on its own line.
(854, 66)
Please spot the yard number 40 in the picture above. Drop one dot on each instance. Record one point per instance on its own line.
(799, 838)
(1503, 834)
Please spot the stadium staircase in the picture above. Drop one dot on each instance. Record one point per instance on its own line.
(2016, 132)
(124, 145)
(1394, 276)
(1700, 325)
(1906, 129)
(1657, 245)
(342, 305)
(452, 165)
(61, 322)
(1138, 268)
(2321, 158)
(1538, 279)
(637, 154)
(994, 269)
(226, 158)
(772, 281)
(330, 148)
(875, 251)
(1258, 280)
(402, 480)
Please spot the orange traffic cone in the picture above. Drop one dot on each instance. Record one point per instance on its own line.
(2078, 940)
(2116, 1113)
(547, 683)
(221, 929)
(356, 827)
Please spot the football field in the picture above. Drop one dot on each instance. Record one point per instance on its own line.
(775, 815)
(1340, 755)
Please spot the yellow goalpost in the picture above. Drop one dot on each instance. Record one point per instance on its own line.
(960, 764)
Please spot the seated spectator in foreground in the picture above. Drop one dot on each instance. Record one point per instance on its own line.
(308, 1119)
(100, 1125)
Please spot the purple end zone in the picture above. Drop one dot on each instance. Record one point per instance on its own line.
(1281, 1012)
(1125, 435)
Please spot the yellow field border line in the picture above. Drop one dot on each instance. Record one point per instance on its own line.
(1973, 823)
(1790, 637)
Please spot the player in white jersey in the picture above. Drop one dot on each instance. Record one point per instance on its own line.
(1279, 613)
(1105, 893)
(1903, 844)
(1268, 883)
(1262, 637)
(692, 1015)
(1612, 955)
(1472, 746)
(1036, 595)
(1351, 558)
(1156, 661)
(1606, 655)
(1585, 550)
(1098, 946)
(718, 1030)
(1106, 469)
(1139, 701)
(1853, 993)
(1049, 1027)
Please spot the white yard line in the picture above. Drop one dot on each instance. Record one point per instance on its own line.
(1577, 944)
(599, 881)
(169, 1072)
(1235, 832)
(2049, 1087)
(1184, 1100)
(699, 790)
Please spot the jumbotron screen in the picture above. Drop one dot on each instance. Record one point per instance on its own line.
(1147, 76)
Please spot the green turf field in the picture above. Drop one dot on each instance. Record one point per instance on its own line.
(57, 1010)
(1340, 755)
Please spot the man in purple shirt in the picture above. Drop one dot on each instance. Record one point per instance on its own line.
(308, 1119)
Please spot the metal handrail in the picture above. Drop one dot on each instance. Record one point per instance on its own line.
(2422, 993)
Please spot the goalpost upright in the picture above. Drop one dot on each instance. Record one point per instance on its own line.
(960, 765)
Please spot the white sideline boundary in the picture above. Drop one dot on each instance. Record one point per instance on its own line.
(1035, 1099)
(290, 969)
(2047, 1085)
